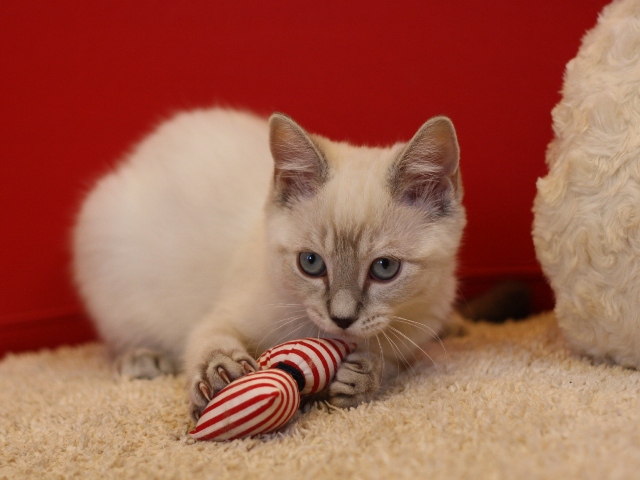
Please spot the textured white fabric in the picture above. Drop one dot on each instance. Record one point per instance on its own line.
(587, 211)
(508, 401)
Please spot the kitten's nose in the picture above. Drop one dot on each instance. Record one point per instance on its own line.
(343, 322)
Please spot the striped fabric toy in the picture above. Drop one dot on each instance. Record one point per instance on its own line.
(263, 401)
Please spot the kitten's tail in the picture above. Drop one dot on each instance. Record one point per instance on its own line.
(510, 299)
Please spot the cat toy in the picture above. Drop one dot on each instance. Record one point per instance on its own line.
(265, 400)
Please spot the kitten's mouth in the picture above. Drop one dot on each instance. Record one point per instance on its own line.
(373, 326)
(360, 329)
(328, 328)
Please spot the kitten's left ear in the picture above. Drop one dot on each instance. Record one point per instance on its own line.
(426, 172)
(300, 169)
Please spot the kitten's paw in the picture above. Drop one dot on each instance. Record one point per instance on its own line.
(144, 363)
(357, 380)
(216, 372)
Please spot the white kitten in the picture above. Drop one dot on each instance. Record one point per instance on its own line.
(196, 252)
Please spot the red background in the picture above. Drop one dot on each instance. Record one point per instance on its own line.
(81, 81)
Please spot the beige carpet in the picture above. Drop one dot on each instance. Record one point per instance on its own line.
(510, 402)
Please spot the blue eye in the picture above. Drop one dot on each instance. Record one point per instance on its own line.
(312, 264)
(384, 268)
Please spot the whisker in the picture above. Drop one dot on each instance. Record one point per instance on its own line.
(281, 305)
(396, 352)
(464, 300)
(427, 329)
(283, 323)
(397, 360)
(301, 309)
(278, 324)
(381, 351)
(399, 339)
(293, 314)
(304, 324)
(406, 362)
(398, 332)
(422, 326)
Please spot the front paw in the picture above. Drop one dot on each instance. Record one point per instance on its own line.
(214, 373)
(357, 380)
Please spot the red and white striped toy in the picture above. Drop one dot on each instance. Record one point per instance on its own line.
(263, 401)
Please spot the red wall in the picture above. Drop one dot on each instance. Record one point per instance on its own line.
(81, 81)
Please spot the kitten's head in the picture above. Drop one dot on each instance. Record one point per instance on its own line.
(361, 234)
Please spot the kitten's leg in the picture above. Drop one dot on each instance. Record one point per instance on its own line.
(357, 381)
(144, 363)
(213, 359)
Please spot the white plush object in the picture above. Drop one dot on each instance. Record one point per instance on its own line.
(587, 212)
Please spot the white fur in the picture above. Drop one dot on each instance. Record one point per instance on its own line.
(587, 211)
(184, 249)
(156, 241)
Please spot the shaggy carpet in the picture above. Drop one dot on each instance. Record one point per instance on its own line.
(504, 401)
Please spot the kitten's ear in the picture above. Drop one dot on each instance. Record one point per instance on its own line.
(426, 172)
(300, 169)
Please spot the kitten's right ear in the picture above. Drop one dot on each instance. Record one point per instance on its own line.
(427, 171)
(300, 169)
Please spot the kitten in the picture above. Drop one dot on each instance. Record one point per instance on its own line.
(222, 235)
